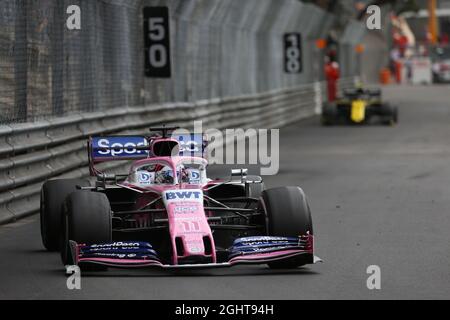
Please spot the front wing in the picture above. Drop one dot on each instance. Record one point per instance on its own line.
(249, 250)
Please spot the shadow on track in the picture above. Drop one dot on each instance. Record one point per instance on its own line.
(197, 273)
(137, 273)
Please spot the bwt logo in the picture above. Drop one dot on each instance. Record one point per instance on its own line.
(195, 175)
(183, 195)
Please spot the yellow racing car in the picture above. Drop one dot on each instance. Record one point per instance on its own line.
(359, 106)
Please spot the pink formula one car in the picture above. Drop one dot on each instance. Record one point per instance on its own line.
(167, 213)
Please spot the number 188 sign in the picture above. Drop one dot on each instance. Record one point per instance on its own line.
(292, 52)
(157, 42)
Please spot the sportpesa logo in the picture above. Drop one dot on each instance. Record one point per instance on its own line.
(119, 146)
(118, 244)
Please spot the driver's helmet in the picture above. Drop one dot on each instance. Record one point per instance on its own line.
(165, 175)
(360, 87)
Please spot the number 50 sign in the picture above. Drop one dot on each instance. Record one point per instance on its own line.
(293, 52)
(157, 42)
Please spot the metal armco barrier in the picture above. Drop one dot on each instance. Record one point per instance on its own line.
(34, 152)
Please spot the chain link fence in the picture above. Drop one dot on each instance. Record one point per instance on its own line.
(219, 49)
(48, 70)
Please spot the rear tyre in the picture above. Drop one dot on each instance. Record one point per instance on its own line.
(53, 193)
(328, 117)
(395, 115)
(87, 220)
(389, 115)
(287, 215)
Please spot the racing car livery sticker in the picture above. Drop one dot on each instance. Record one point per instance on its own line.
(130, 147)
(194, 176)
(145, 177)
(136, 147)
(185, 194)
(119, 250)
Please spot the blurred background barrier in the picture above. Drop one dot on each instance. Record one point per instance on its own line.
(58, 86)
(219, 49)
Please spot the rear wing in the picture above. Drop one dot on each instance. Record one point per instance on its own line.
(191, 145)
(128, 147)
(354, 93)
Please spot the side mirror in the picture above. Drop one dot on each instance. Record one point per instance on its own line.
(106, 177)
(241, 173)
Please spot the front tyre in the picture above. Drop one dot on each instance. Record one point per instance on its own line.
(287, 215)
(86, 219)
(53, 193)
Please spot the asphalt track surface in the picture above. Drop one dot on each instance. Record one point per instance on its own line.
(379, 195)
